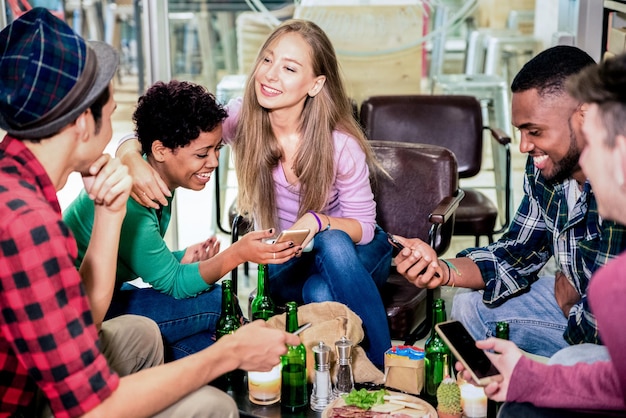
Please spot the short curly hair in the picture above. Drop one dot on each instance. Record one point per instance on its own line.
(175, 113)
(548, 71)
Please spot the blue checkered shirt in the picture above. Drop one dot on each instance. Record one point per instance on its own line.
(541, 229)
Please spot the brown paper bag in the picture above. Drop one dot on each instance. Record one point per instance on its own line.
(404, 374)
(332, 320)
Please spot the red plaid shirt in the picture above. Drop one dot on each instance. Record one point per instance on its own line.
(47, 335)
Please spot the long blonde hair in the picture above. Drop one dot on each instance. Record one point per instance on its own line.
(257, 151)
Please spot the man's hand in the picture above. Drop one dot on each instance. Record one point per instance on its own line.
(565, 293)
(201, 251)
(109, 184)
(258, 346)
(505, 359)
(418, 263)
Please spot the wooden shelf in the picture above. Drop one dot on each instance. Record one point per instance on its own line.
(614, 12)
(615, 6)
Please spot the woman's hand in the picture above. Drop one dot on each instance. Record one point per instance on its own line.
(201, 251)
(148, 188)
(254, 247)
(309, 221)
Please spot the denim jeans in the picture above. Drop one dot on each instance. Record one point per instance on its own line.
(187, 325)
(536, 322)
(580, 353)
(338, 270)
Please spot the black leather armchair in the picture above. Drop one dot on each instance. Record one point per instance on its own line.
(416, 197)
(453, 122)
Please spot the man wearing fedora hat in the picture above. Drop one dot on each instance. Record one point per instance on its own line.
(57, 355)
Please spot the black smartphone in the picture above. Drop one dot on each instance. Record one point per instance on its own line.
(397, 244)
(463, 346)
(399, 247)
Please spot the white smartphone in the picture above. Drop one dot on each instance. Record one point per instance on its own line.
(296, 235)
(463, 346)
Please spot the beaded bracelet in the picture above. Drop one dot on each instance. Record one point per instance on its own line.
(317, 218)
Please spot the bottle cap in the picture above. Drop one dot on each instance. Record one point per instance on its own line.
(321, 352)
(344, 348)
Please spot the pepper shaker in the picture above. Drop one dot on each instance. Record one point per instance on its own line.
(322, 387)
(345, 378)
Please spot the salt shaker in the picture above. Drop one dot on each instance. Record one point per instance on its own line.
(322, 388)
(345, 379)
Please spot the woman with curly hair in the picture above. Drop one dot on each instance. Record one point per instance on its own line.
(179, 126)
(303, 162)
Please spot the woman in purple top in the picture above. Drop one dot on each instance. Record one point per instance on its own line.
(303, 162)
(583, 389)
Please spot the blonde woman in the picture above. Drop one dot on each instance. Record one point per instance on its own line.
(303, 162)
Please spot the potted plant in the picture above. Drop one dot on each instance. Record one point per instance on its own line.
(449, 399)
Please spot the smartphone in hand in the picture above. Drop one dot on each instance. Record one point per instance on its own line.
(463, 346)
(396, 244)
(296, 235)
(399, 247)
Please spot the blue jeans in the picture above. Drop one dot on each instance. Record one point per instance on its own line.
(187, 325)
(536, 322)
(580, 353)
(338, 270)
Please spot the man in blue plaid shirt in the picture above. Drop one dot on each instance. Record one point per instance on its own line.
(558, 218)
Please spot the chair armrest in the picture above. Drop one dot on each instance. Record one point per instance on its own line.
(445, 209)
(499, 135)
(503, 139)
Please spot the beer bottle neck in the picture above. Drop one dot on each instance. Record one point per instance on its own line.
(228, 301)
(263, 280)
(292, 317)
(439, 315)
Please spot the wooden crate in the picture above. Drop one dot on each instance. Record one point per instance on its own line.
(494, 13)
(379, 45)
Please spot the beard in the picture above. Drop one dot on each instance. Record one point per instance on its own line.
(568, 165)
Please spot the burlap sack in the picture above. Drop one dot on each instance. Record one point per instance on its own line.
(332, 320)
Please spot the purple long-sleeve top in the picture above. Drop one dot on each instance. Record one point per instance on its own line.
(350, 195)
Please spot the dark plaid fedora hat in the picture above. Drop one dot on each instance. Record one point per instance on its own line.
(48, 74)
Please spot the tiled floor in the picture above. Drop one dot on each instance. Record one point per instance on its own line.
(126, 96)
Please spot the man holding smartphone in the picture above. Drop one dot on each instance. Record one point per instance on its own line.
(599, 388)
(557, 219)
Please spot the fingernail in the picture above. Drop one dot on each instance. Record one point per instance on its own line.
(271, 230)
(291, 244)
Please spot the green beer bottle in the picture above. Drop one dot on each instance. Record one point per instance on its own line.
(438, 359)
(262, 306)
(502, 330)
(294, 392)
(228, 321)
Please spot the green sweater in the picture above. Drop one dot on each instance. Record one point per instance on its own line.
(142, 250)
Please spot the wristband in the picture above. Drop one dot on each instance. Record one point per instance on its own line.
(328, 225)
(317, 218)
(449, 273)
(450, 268)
